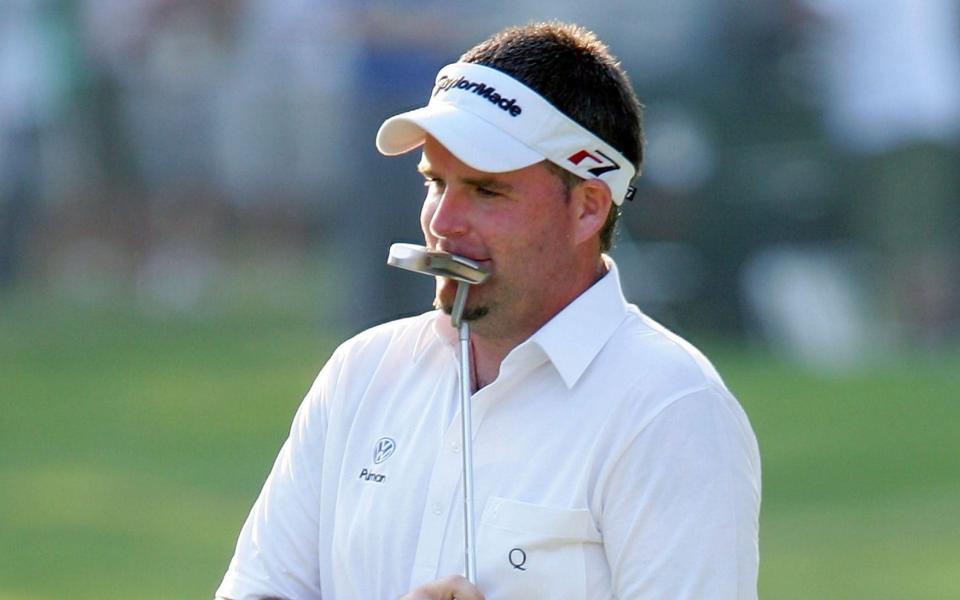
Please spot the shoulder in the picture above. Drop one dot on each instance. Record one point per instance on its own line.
(649, 374)
(402, 335)
(646, 355)
(673, 397)
(389, 347)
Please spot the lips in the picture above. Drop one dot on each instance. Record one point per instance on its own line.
(475, 257)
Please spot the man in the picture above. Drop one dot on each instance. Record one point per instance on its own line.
(610, 460)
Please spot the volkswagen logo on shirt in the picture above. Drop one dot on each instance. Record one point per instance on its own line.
(383, 450)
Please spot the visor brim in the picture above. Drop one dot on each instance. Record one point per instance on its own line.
(476, 142)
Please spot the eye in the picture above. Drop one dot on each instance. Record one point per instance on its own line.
(487, 192)
(433, 184)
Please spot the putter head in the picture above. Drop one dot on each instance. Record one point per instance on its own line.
(439, 264)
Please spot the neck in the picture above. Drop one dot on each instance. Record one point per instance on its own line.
(489, 349)
(488, 355)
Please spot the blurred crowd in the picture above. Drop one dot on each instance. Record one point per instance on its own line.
(801, 185)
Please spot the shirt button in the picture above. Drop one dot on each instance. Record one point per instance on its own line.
(455, 447)
(437, 508)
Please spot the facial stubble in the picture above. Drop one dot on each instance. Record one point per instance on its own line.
(470, 313)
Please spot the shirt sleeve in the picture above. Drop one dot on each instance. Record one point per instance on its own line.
(276, 553)
(681, 507)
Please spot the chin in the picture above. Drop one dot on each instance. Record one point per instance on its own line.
(470, 313)
(447, 291)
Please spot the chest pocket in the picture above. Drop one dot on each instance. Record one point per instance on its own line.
(530, 551)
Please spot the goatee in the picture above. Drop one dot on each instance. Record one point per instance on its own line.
(469, 314)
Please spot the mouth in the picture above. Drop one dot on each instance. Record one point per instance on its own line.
(485, 262)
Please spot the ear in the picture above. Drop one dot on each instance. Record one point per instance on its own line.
(592, 202)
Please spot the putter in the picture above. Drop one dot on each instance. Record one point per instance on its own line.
(466, 273)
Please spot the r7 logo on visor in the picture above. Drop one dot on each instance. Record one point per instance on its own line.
(605, 164)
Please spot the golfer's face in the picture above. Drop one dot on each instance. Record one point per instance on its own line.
(516, 224)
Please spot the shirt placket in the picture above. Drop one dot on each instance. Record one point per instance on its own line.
(444, 504)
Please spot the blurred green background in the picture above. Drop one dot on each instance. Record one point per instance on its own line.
(193, 215)
(136, 445)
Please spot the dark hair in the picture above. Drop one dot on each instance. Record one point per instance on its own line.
(570, 67)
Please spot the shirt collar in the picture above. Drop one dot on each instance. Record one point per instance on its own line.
(570, 340)
(574, 337)
(437, 330)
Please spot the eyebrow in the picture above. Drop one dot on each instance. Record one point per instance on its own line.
(483, 182)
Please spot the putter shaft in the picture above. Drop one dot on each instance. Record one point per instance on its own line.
(466, 429)
(465, 272)
(466, 413)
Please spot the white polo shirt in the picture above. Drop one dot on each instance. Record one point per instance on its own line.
(610, 462)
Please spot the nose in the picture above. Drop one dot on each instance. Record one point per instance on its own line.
(446, 215)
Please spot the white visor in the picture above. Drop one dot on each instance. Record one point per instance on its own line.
(494, 123)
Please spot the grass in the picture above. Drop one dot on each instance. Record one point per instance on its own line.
(131, 447)
(861, 487)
